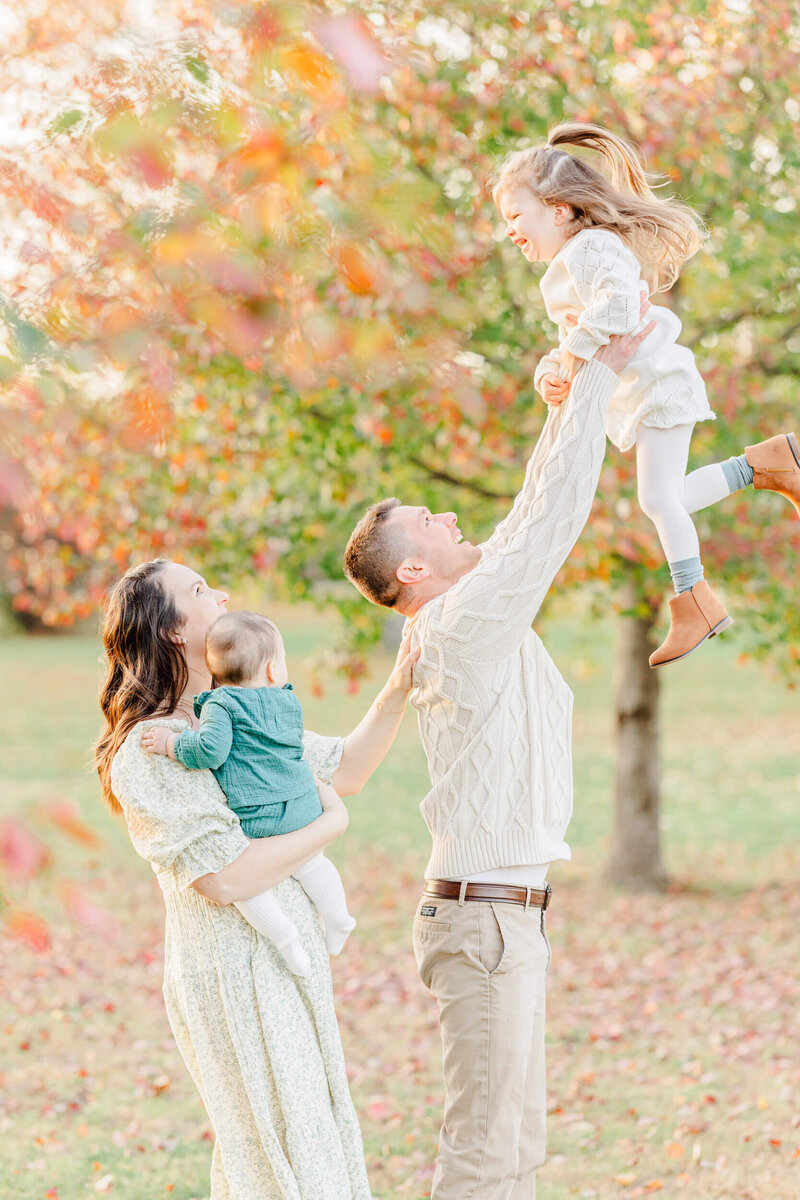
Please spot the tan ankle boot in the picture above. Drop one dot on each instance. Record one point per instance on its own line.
(694, 616)
(776, 466)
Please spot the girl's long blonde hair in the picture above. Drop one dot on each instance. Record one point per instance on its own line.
(662, 233)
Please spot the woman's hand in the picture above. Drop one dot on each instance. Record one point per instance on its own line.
(366, 746)
(394, 694)
(333, 806)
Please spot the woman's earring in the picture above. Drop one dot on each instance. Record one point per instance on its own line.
(183, 641)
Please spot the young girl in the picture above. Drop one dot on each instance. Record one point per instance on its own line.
(607, 240)
(251, 736)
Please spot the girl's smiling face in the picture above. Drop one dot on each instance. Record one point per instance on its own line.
(539, 230)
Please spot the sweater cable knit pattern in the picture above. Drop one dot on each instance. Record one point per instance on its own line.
(494, 713)
(596, 278)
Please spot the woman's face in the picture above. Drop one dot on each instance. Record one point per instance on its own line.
(199, 603)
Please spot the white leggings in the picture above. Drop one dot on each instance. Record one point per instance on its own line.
(667, 495)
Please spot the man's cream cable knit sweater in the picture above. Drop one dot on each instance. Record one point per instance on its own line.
(494, 713)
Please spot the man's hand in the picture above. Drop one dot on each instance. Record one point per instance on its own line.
(554, 390)
(158, 741)
(622, 346)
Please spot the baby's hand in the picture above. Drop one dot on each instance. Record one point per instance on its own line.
(554, 390)
(157, 740)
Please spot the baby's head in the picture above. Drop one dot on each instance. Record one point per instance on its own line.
(244, 649)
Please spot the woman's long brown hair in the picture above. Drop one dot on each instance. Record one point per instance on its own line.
(147, 672)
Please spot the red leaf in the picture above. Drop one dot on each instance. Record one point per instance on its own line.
(21, 853)
(87, 913)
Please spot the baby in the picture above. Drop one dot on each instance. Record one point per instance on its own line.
(251, 736)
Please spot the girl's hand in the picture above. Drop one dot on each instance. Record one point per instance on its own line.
(332, 805)
(554, 390)
(394, 694)
(158, 741)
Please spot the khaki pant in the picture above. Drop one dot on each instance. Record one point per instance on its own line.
(486, 964)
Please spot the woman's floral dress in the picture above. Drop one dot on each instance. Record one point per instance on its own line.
(262, 1045)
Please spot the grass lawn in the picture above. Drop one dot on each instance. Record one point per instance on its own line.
(674, 1061)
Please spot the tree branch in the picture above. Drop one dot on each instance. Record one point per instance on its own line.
(467, 484)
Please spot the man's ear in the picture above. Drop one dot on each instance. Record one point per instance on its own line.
(412, 570)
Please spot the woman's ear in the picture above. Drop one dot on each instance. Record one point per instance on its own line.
(177, 639)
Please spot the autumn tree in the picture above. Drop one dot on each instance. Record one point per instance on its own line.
(258, 282)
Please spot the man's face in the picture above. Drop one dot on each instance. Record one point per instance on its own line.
(434, 540)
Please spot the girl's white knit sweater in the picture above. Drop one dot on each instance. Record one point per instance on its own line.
(596, 278)
(494, 713)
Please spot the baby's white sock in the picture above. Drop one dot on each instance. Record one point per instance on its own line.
(265, 914)
(295, 956)
(321, 882)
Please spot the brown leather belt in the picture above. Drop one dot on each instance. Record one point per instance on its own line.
(504, 893)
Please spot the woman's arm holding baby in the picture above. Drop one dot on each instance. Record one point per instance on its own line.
(268, 860)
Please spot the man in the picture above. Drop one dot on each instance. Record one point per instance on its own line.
(494, 716)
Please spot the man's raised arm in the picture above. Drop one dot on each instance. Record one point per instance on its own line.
(491, 609)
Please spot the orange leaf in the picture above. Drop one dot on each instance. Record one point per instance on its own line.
(64, 817)
(361, 272)
(674, 1150)
(310, 66)
(28, 928)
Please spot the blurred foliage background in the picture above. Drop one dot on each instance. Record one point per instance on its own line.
(254, 280)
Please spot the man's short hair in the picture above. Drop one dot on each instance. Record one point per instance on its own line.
(374, 553)
(238, 645)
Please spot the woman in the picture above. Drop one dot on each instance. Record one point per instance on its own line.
(261, 1044)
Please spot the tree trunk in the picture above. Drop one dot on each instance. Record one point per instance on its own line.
(635, 862)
